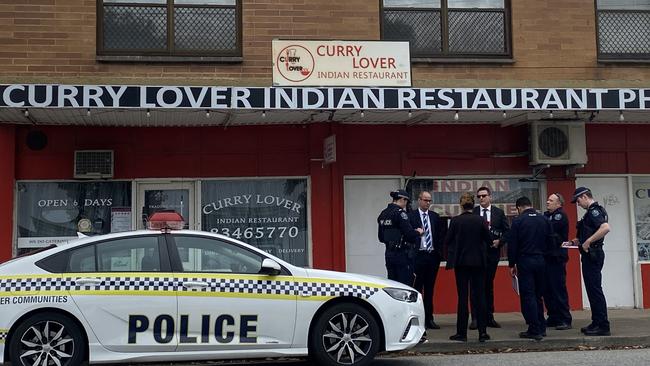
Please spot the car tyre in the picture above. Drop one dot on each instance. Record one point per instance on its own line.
(47, 339)
(345, 334)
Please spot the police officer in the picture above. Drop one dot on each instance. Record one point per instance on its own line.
(528, 241)
(556, 297)
(592, 229)
(396, 232)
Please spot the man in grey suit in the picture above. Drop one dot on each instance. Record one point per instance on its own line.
(498, 224)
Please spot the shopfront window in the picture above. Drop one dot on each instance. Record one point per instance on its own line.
(270, 214)
(623, 29)
(445, 194)
(449, 28)
(641, 202)
(54, 212)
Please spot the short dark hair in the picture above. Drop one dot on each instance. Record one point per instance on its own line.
(485, 189)
(523, 202)
(466, 201)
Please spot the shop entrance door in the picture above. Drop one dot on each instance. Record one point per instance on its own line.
(618, 271)
(177, 196)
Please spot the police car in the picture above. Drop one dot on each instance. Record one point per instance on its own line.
(176, 295)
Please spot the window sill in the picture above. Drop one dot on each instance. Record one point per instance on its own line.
(460, 60)
(171, 59)
(624, 61)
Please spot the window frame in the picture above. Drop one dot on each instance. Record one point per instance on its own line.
(445, 55)
(616, 57)
(169, 52)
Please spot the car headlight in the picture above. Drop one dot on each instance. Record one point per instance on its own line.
(402, 294)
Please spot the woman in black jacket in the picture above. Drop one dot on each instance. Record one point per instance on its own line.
(467, 241)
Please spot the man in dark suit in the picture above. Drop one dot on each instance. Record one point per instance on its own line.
(427, 252)
(498, 224)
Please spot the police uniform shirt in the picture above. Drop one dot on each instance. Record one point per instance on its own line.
(560, 224)
(528, 236)
(590, 223)
(393, 224)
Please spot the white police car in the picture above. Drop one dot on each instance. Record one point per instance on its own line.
(177, 295)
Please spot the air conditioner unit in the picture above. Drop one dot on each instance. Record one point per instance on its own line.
(557, 143)
(93, 164)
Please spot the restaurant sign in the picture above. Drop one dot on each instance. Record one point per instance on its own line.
(341, 63)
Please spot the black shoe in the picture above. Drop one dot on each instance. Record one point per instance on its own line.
(551, 323)
(432, 325)
(563, 326)
(588, 327)
(597, 331)
(493, 324)
(473, 325)
(458, 337)
(537, 337)
(483, 337)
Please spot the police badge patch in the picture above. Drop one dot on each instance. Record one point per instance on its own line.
(595, 213)
(404, 215)
(557, 217)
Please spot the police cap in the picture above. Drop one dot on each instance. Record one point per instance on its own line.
(579, 192)
(400, 193)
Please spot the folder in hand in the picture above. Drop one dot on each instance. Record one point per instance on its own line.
(515, 284)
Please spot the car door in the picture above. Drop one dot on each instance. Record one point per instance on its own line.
(111, 278)
(223, 301)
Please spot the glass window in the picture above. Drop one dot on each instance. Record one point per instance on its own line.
(82, 259)
(200, 27)
(623, 29)
(445, 194)
(641, 202)
(200, 254)
(449, 28)
(135, 254)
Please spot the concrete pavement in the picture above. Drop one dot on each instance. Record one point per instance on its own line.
(629, 327)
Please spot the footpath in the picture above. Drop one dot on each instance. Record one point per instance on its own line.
(629, 327)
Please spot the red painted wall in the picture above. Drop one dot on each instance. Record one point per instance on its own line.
(645, 283)
(430, 150)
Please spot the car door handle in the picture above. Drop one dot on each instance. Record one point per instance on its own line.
(88, 281)
(192, 284)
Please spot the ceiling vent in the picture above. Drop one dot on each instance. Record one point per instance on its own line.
(93, 164)
(557, 143)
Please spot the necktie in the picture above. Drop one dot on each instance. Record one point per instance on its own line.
(427, 233)
(485, 210)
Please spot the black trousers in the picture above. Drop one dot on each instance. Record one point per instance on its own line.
(530, 270)
(592, 265)
(556, 297)
(470, 279)
(398, 266)
(490, 274)
(426, 270)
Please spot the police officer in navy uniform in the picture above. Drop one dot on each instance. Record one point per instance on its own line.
(529, 239)
(556, 297)
(592, 229)
(396, 233)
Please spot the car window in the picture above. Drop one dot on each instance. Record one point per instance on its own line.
(200, 254)
(135, 254)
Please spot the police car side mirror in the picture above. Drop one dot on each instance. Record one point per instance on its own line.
(270, 267)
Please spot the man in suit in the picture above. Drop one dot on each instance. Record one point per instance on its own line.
(498, 224)
(427, 253)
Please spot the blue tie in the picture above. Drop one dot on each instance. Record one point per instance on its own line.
(427, 233)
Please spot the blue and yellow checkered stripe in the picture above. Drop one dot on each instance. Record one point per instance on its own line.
(149, 284)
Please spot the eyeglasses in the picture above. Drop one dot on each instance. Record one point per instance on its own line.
(481, 195)
(425, 200)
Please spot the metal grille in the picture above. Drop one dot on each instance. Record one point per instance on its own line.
(421, 27)
(205, 29)
(624, 34)
(553, 142)
(93, 163)
(135, 27)
(476, 32)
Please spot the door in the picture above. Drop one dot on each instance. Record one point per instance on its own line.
(113, 280)
(176, 196)
(364, 200)
(223, 301)
(618, 271)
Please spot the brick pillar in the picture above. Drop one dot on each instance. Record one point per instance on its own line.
(7, 184)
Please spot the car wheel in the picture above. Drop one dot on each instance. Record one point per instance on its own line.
(345, 334)
(47, 339)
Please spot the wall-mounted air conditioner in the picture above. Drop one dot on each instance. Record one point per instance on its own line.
(557, 143)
